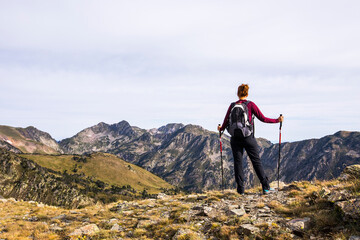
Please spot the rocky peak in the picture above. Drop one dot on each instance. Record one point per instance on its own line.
(100, 128)
(123, 128)
(170, 128)
(34, 134)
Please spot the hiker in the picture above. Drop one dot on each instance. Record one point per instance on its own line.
(242, 137)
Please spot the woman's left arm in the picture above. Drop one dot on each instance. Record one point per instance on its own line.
(256, 111)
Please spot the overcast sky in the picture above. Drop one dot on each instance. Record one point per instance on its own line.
(68, 65)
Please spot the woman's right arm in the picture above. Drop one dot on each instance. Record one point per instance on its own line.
(226, 120)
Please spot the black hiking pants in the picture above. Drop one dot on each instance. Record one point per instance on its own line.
(238, 144)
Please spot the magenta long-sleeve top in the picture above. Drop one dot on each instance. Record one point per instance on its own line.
(253, 110)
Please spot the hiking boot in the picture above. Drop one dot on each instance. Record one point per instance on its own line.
(268, 191)
(240, 190)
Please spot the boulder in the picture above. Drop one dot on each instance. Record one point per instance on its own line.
(236, 212)
(350, 209)
(248, 230)
(117, 228)
(90, 229)
(162, 196)
(350, 172)
(299, 224)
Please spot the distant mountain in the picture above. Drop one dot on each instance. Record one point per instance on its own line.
(322, 159)
(188, 156)
(29, 140)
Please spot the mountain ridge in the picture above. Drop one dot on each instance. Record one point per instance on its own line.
(188, 156)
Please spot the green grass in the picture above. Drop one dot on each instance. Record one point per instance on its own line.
(104, 167)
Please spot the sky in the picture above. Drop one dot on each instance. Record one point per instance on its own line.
(68, 65)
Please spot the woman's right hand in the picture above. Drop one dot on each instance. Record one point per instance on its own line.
(281, 118)
(219, 127)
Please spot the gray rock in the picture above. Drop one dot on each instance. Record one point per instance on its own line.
(300, 224)
(56, 228)
(90, 229)
(248, 230)
(238, 212)
(113, 220)
(59, 217)
(338, 196)
(350, 173)
(117, 228)
(354, 238)
(162, 196)
(350, 208)
(33, 219)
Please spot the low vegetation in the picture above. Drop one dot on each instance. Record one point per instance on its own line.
(211, 215)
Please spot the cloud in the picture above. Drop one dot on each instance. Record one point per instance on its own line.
(75, 63)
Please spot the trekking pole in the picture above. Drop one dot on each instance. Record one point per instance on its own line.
(222, 167)
(279, 154)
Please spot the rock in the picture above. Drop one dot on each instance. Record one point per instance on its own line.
(59, 217)
(354, 237)
(237, 212)
(350, 209)
(248, 230)
(113, 220)
(162, 196)
(300, 224)
(350, 172)
(90, 229)
(230, 207)
(56, 228)
(275, 185)
(337, 196)
(33, 219)
(117, 228)
(324, 192)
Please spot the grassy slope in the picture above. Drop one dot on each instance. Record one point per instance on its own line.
(22, 143)
(105, 167)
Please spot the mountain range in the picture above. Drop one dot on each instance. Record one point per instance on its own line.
(188, 156)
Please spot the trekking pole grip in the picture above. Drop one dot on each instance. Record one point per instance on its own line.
(219, 130)
(280, 122)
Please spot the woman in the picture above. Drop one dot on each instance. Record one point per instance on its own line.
(239, 142)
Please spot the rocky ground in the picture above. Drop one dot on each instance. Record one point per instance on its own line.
(301, 210)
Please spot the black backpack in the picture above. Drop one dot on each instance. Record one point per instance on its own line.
(239, 119)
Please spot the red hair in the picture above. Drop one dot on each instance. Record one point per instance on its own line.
(243, 90)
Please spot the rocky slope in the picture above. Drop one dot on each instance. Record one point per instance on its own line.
(323, 158)
(9, 147)
(29, 140)
(301, 210)
(21, 178)
(107, 170)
